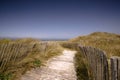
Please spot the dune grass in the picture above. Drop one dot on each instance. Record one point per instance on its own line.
(32, 53)
(108, 42)
(42, 51)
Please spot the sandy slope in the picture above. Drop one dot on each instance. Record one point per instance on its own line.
(58, 68)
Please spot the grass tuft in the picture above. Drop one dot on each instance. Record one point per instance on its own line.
(21, 55)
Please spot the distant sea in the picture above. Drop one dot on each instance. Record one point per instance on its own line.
(43, 39)
(53, 39)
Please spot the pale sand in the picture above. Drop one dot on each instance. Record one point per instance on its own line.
(57, 68)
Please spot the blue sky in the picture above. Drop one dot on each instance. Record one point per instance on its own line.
(58, 18)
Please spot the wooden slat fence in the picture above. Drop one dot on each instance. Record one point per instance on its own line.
(11, 53)
(97, 62)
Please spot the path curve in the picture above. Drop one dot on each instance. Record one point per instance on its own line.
(57, 68)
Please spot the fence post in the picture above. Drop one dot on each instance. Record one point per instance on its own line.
(115, 68)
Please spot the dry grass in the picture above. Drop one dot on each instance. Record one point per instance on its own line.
(42, 51)
(81, 67)
(108, 42)
(32, 53)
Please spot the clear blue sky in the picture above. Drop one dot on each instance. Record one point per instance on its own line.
(58, 18)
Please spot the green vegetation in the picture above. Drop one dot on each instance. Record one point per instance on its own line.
(21, 55)
(81, 68)
(5, 76)
(37, 63)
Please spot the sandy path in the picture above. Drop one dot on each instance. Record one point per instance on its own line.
(57, 68)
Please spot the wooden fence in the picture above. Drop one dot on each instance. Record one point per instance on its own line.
(11, 53)
(98, 64)
(115, 68)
